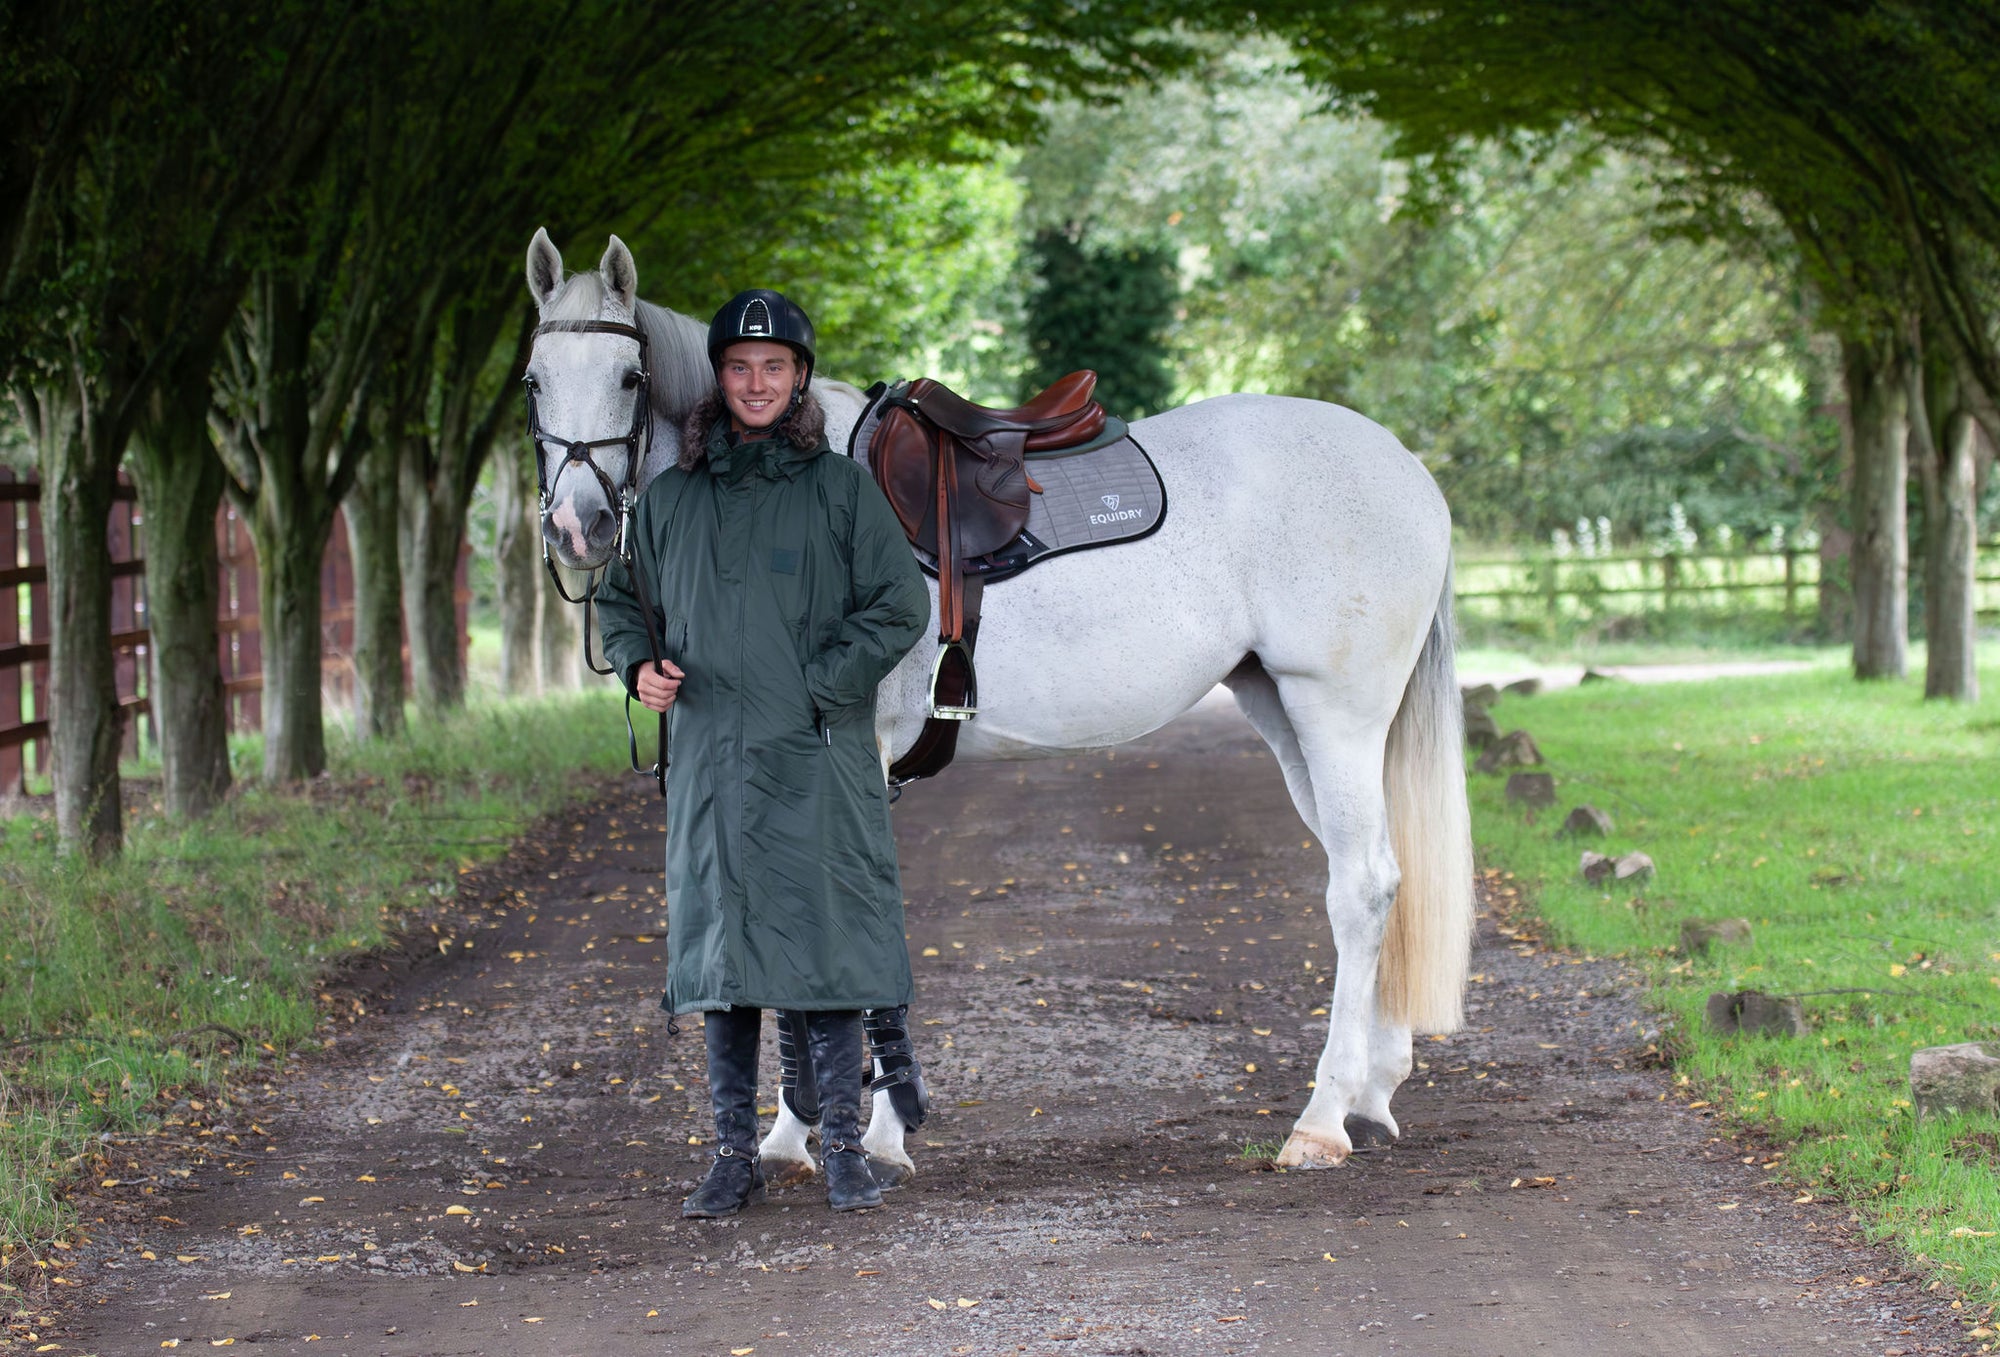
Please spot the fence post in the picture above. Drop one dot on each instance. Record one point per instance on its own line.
(1791, 580)
(1669, 576)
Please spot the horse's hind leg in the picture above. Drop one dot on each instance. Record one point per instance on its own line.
(783, 1154)
(901, 1100)
(1343, 769)
(1369, 1124)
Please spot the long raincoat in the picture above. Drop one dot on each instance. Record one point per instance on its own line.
(786, 591)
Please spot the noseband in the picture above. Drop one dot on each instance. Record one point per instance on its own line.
(637, 442)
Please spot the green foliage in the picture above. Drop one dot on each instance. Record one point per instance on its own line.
(1526, 328)
(117, 977)
(1854, 826)
(1861, 127)
(1107, 308)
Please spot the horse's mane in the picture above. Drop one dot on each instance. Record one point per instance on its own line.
(677, 345)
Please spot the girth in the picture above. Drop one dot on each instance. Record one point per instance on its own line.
(954, 473)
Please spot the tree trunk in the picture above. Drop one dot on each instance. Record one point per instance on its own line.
(1877, 371)
(432, 526)
(180, 487)
(288, 592)
(378, 606)
(79, 471)
(1942, 433)
(520, 575)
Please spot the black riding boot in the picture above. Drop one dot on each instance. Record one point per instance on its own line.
(735, 1179)
(835, 1042)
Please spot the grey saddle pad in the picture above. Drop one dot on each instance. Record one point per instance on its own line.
(1096, 497)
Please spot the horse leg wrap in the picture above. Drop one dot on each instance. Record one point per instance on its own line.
(895, 1063)
(796, 1082)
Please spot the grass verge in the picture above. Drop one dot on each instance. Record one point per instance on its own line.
(126, 986)
(1855, 826)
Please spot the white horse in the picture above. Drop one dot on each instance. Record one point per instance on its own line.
(1305, 562)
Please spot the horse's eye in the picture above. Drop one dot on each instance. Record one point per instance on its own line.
(631, 380)
(530, 382)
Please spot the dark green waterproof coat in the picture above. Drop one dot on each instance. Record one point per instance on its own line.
(786, 592)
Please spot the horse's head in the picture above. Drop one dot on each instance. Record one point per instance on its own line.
(590, 408)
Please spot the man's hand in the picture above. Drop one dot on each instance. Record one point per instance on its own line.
(658, 683)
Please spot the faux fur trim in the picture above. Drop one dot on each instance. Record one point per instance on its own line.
(804, 429)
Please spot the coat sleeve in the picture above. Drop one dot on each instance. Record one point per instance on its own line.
(891, 608)
(619, 621)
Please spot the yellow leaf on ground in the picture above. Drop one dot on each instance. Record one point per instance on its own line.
(458, 1210)
(965, 1304)
(934, 1303)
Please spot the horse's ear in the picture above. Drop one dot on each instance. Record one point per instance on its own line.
(620, 274)
(545, 272)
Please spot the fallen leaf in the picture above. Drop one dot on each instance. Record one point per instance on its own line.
(458, 1210)
(457, 1266)
(869, 1272)
(934, 1303)
(741, 1352)
(467, 1304)
(217, 1295)
(1230, 1319)
(965, 1304)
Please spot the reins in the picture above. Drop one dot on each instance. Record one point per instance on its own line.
(637, 442)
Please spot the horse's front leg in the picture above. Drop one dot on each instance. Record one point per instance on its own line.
(783, 1154)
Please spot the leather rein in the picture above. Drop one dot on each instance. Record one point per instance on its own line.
(637, 442)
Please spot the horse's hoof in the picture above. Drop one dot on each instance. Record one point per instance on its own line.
(788, 1172)
(889, 1175)
(1367, 1134)
(1305, 1150)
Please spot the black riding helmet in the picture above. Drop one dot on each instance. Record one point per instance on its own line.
(761, 313)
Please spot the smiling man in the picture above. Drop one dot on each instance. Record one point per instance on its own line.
(786, 593)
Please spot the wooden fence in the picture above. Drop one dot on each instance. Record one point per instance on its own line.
(1779, 581)
(25, 624)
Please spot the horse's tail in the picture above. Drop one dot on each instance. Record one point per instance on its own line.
(1426, 949)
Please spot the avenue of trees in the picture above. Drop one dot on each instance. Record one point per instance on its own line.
(1588, 258)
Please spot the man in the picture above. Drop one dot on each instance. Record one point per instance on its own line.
(786, 591)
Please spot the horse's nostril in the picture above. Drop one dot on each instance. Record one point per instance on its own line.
(602, 524)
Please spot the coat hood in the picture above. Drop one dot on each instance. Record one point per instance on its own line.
(804, 428)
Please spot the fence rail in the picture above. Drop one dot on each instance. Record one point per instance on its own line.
(1630, 583)
(25, 624)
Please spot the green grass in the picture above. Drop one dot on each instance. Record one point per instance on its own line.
(121, 985)
(1856, 827)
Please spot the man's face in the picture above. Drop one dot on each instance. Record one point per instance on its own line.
(758, 378)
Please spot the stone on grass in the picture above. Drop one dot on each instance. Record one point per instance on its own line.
(1480, 728)
(1533, 789)
(1515, 749)
(1634, 867)
(1956, 1079)
(1697, 935)
(1592, 676)
(1481, 695)
(1754, 1013)
(1526, 687)
(1586, 821)
(1598, 867)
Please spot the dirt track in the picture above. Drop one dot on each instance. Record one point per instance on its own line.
(1114, 999)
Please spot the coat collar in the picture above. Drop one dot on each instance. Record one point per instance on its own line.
(772, 457)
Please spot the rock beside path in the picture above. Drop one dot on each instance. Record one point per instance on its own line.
(1515, 749)
(1481, 729)
(1698, 935)
(1754, 1013)
(1586, 821)
(1597, 867)
(1956, 1079)
(1532, 789)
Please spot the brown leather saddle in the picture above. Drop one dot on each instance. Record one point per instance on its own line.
(956, 475)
